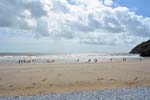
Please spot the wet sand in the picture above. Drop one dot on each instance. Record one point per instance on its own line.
(31, 79)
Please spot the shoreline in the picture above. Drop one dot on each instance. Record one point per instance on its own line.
(33, 79)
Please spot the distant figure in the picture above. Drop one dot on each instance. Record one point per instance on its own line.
(111, 59)
(140, 59)
(89, 60)
(95, 60)
(77, 60)
(124, 59)
(29, 61)
(24, 60)
(50, 61)
(32, 60)
(19, 61)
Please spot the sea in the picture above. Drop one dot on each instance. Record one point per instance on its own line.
(8, 58)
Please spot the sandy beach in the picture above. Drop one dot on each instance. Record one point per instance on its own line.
(31, 79)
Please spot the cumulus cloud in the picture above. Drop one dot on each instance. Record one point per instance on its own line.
(108, 2)
(89, 21)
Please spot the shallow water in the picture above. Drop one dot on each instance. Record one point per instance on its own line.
(67, 58)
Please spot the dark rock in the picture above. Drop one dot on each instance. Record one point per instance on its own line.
(143, 49)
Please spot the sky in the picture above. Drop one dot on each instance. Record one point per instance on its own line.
(73, 26)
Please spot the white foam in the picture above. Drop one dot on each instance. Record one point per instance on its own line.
(83, 57)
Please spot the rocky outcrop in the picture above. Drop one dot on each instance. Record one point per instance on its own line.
(143, 49)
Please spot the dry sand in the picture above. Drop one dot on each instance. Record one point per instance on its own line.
(30, 79)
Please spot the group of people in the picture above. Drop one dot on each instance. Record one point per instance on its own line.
(89, 60)
(33, 60)
(26, 61)
(50, 61)
(95, 60)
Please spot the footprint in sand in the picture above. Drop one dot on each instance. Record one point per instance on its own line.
(41, 92)
(11, 86)
(59, 74)
(29, 87)
(44, 79)
(136, 78)
(112, 79)
(130, 83)
(100, 78)
(33, 83)
(50, 84)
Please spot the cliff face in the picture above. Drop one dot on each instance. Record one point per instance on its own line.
(143, 49)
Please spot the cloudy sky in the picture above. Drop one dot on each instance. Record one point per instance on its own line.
(72, 26)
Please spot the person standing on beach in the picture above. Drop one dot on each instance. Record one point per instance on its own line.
(95, 60)
(19, 61)
(111, 59)
(89, 60)
(140, 59)
(32, 60)
(124, 59)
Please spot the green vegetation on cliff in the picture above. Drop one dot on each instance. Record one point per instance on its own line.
(143, 49)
